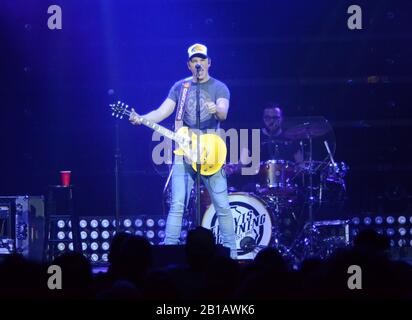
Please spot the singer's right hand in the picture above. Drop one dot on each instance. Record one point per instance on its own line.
(134, 118)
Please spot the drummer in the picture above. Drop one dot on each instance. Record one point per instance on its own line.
(273, 145)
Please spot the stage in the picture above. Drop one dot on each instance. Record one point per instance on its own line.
(216, 149)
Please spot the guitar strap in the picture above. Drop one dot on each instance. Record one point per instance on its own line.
(184, 90)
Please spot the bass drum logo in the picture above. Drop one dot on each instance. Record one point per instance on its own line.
(252, 222)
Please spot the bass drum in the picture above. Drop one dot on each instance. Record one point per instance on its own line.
(252, 222)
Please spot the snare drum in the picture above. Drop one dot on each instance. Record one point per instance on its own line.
(277, 177)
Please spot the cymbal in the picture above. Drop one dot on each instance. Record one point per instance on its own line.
(277, 141)
(308, 130)
(313, 165)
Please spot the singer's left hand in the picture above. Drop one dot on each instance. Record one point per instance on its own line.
(211, 107)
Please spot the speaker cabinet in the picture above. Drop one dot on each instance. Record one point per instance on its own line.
(22, 219)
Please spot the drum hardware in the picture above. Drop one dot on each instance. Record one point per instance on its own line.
(248, 244)
(335, 169)
(306, 244)
(311, 202)
(307, 131)
(332, 185)
(327, 179)
(310, 242)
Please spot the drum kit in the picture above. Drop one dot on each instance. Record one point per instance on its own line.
(288, 198)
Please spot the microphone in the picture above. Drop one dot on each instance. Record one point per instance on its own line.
(198, 67)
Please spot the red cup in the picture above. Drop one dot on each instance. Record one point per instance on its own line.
(65, 178)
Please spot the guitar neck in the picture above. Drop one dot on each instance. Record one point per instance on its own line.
(156, 127)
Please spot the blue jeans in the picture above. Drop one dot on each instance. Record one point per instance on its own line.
(183, 177)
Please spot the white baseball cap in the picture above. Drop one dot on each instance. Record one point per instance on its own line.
(197, 50)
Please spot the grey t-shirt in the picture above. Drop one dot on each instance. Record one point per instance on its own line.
(210, 90)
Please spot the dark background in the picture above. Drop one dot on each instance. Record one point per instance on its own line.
(54, 90)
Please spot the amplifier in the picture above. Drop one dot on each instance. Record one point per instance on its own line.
(22, 226)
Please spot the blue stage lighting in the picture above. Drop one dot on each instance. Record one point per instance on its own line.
(401, 242)
(138, 222)
(378, 220)
(94, 223)
(150, 222)
(105, 223)
(161, 223)
(367, 221)
(83, 223)
(402, 231)
(401, 219)
(61, 224)
(390, 232)
(105, 246)
(390, 220)
(127, 223)
(183, 234)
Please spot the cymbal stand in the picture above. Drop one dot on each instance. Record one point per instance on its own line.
(304, 244)
(310, 202)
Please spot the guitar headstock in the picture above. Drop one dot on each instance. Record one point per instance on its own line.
(120, 109)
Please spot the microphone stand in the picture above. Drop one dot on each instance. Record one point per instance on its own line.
(117, 159)
(197, 218)
(311, 200)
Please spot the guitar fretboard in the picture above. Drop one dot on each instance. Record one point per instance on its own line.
(156, 127)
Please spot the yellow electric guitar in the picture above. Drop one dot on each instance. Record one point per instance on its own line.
(212, 147)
